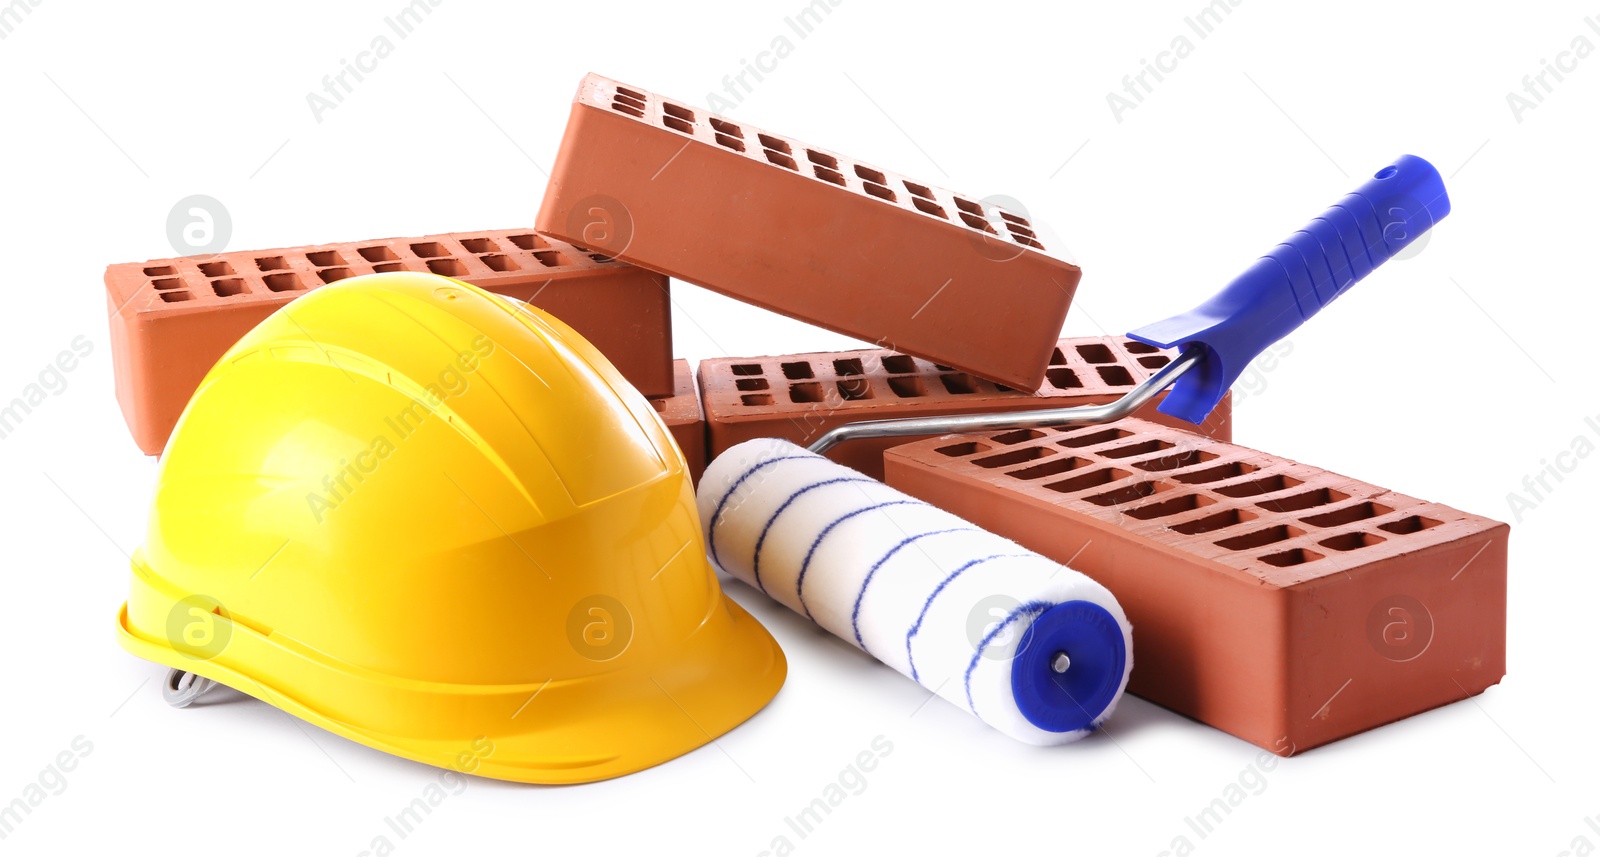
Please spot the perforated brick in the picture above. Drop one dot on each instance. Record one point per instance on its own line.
(807, 232)
(801, 396)
(684, 417)
(172, 319)
(1276, 601)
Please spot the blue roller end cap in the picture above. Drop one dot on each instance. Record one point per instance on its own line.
(1092, 641)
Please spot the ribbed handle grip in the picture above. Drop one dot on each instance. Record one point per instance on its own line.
(1300, 276)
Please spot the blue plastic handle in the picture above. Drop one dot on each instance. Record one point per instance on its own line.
(1299, 277)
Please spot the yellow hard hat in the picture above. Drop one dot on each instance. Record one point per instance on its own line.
(439, 523)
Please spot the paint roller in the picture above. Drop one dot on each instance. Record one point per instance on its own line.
(1034, 649)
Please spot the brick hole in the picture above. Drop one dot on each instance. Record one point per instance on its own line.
(429, 249)
(1097, 352)
(498, 262)
(326, 258)
(828, 175)
(943, 368)
(1406, 526)
(797, 371)
(927, 207)
(1015, 456)
(977, 223)
(908, 387)
(1012, 438)
(1062, 378)
(879, 191)
(167, 283)
(1049, 468)
(855, 389)
(957, 450)
(1140, 448)
(1187, 458)
(1215, 474)
(1139, 347)
(919, 191)
(1084, 482)
(1212, 523)
(387, 267)
(1003, 388)
(1097, 437)
(822, 159)
(228, 288)
(969, 207)
(1297, 556)
(380, 253)
(775, 144)
(447, 267)
(756, 399)
(272, 263)
(869, 174)
(283, 282)
(660, 405)
(1168, 508)
(1020, 231)
(1348, 515)
(216, 269)
(1261, 538)
(747, 369)
(899, 364)
(636, 96)
(1025, 238)
(1057, 358)
(1015, 220)
(552, 258)
(161, 271)
(527, 242)
(723, 126)
(628, 106)
(1126, 494)
(1255, 487)
(333, 275)
(602, 258)
(959, 383)
(848, 366)
(805, 392)
(677, 117)
(749, 384)
(781, 160)
(477, 245)
(1154, 361)
(729, 142)
(1116, 376)
(176, 297)
(1351, 541)
(1306, 500)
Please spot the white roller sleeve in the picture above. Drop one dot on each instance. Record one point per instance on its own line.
(933, 596)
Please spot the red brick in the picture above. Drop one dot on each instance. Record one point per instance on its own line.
(1281, 603)
(172, 319)
(808, 233)
(685, 418)
(800, 397)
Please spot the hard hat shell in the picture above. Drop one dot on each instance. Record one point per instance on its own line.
(439, 523)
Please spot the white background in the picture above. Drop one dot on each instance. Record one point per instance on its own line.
(1451, 376)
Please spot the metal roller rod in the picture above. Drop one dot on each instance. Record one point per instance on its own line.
(961, 423)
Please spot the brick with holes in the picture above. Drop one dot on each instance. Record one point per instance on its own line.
(801, 396)
(685, 418)
(1278, 602)
(171, 319)
(808, 233)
